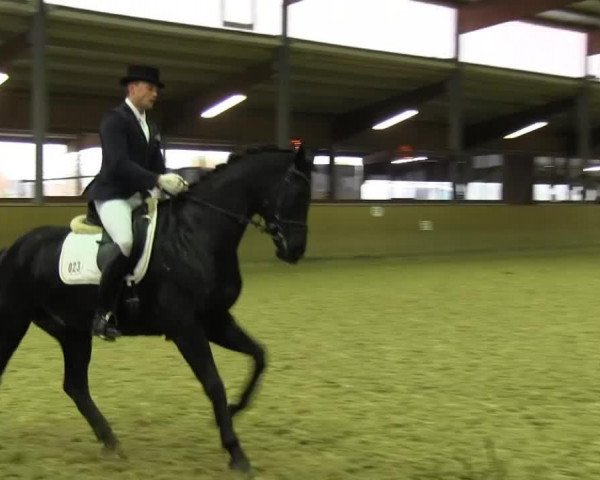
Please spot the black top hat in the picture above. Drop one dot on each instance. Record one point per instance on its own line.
(142, 72)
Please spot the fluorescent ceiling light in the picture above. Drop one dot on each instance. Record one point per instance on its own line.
(3, 77)
(223, 105)
(409, 160)
(523, 131)
(395, 119)
(595, 168)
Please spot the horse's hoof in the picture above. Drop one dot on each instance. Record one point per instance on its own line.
(241, 465)
(120, 452)
(114, 450)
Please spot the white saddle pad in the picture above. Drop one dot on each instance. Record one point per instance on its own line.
(77, 264)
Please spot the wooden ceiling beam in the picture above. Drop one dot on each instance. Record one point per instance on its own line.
(355, 121)
(593, 42)
(498, 127)
(188, 109)
(13, 48)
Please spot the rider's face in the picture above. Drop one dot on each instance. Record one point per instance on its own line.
(142, 94)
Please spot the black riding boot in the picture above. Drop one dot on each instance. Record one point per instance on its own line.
(113, 275)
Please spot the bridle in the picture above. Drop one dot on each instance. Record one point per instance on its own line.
(272, 226)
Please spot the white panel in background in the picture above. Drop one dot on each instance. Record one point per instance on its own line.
(17, 160)
(524, 46)
(341, 160)
(58, 163)
(268, 16)
(17, 167)
(376, 190)
(402, 189)
(90, 160)
(179, 158)
(483, 191)
(399, 26)
(188, 12)
(593, 66)
(550, 193)
(239, 12)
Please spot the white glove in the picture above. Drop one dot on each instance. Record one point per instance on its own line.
(172, 183)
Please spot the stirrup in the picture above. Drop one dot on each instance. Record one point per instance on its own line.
(102, 328)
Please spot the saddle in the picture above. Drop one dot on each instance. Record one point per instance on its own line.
(89, 223)
(89, 248)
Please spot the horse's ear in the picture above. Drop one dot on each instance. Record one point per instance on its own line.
(302, 163)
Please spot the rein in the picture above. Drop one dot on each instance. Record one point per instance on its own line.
(270, 228)
(239, 218)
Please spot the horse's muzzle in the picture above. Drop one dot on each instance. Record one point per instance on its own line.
(289, 257)
(290, 244)
(291, 251)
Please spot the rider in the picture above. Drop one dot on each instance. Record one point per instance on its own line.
(132, 165)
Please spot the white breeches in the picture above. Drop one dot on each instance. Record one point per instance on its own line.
(116, 219)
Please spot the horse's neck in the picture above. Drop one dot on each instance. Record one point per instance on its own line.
(220, 207)
(242, 188)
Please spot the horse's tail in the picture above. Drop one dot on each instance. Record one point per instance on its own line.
(4, 272)
(3, 255)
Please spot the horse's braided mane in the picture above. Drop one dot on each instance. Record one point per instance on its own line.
(251, 150)
(236, 155)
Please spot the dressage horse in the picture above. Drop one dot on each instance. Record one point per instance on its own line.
(192, 281)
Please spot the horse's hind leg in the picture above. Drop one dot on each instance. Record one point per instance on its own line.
(12, 330)
(77, 351)
(224, 331)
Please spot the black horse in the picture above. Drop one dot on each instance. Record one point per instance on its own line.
(192, 281)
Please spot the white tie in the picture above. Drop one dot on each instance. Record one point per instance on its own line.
(144, 126)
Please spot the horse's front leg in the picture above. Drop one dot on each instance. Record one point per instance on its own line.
(224, 331)
(193, 345)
